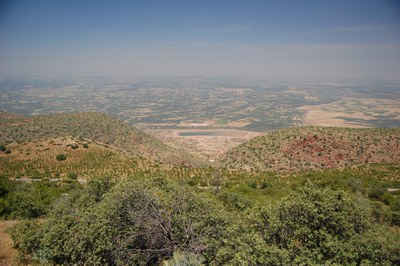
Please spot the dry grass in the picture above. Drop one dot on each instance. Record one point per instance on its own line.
(8, 255)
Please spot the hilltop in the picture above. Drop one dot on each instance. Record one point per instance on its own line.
(95, 127)
(311, 148)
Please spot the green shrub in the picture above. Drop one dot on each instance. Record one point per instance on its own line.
(74, 146)
(395, 218)
(253, 185)
(376, 192)
(116, 223)
(72, 175)
(26, 236)
(24, 205)
(4, 207)
(61, 157)
(234, 200)
(263, 185)
(183, 259)
(192, 182)
(322, 226)
(155, 218)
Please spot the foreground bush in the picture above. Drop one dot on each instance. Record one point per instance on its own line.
(311, 226)
(156, 221)
(324, 226)
(61, 157)
(136, 223)
(20, 200)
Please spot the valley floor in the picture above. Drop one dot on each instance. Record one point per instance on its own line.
(204, 143)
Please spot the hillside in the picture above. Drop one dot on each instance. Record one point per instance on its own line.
(311, 148)
(83, 160)
(96, 127)
(6, 117)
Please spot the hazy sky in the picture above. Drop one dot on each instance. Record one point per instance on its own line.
(359, 39)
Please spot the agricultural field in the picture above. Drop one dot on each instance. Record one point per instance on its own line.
(354, 112)
(83, 160)
(229, 103)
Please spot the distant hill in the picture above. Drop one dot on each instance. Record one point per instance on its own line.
(6, 117)
(97, 127)
(310, 148)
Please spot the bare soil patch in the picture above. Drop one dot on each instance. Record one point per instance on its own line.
(8, 254)
(207, 144)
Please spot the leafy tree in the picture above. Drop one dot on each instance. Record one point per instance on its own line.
(135, 223)
(4, 207)
(320, 225)
(29, 200)
(74, 146)
(141, 221)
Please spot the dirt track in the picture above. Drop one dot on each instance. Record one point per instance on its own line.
(8, 255)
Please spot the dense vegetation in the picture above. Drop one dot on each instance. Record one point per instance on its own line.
(344, 217)
(142, 221)
(31, 200)
(309, 148)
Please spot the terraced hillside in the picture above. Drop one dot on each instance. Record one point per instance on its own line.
(310, 148)
(81, 160)
(97, 127)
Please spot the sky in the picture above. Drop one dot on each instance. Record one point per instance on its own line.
(249, 38)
